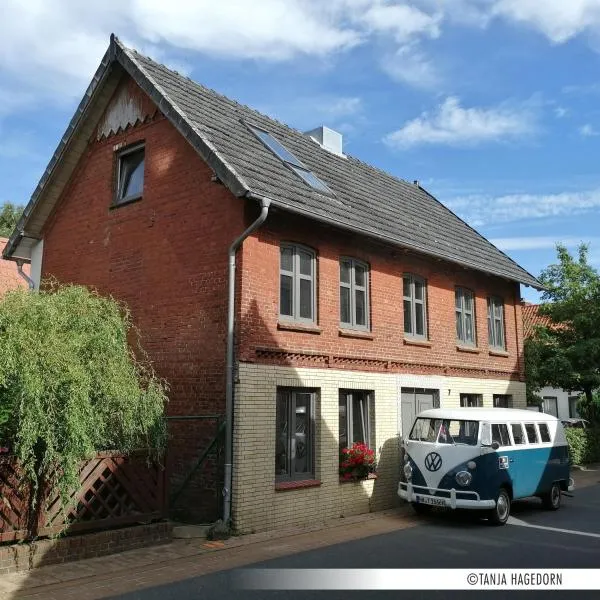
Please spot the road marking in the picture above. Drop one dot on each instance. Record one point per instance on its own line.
(514, 521)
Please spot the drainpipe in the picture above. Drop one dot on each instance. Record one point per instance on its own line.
(30, 282)
(265, 203)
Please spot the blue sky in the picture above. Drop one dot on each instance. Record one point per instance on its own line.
(493, 105)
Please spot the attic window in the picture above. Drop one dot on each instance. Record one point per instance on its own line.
(130, 176)
(290, 160)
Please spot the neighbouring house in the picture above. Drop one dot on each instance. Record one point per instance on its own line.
(556, 401)
(359, 298)
(9, 276)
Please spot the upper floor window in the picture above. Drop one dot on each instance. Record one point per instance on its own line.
(130, 174)
(496, 323)
(465, 316)
(297, 283)
(415, 306)
(354, 293)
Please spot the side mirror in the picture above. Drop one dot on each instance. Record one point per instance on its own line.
(495, 445)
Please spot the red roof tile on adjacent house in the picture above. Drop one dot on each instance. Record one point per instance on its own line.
(9, 277)
(531, 318)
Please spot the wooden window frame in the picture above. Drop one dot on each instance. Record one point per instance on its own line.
(354, 288)
(461, 312)
(296, 278)
(495, 315)
(413, 301)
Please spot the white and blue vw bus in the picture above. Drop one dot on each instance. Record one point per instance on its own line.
(480, 458)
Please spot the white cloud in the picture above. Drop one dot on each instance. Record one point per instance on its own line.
(588, 130)
(540, 242)
(451, 124)
(481, 210)
(560, 112)
(411, 66)
(401, 20)
(558, 20)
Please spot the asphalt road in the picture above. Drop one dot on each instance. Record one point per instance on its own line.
(442, 541)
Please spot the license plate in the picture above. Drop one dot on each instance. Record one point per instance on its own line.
(430, 500)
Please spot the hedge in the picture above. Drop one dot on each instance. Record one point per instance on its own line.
(584, 445)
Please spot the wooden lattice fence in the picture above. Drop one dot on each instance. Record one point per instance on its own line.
(115, 490)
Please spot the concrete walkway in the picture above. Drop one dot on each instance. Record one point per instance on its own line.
(148, 567)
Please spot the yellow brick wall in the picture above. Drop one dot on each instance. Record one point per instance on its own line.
(257, 506)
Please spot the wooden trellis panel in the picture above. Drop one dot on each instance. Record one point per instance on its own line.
(115, 490)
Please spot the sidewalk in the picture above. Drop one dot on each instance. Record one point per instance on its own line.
(97, 578)
(148, 567)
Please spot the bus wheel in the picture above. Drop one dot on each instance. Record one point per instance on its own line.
(421, 509)
(500, 513)
(551, 500)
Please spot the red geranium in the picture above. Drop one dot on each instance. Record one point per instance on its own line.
(357, 461)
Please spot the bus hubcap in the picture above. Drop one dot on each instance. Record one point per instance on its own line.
(555, 495)
(502, 507)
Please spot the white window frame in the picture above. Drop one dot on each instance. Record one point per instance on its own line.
(553, 399)
(296, 278)
(496, 315)
(354, 288)
(412, 299)
(461, 313)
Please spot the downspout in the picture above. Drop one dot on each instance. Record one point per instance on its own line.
(30, 282)
(265, 203)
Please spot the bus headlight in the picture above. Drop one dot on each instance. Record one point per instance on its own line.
(463, 478)
(408, 471)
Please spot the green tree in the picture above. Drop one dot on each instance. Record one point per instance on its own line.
(566, 353)
(71, 383)
(9, 217)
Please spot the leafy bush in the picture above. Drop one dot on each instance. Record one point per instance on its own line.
(584, 445)
(71, 385)
(590, 409)
(356, 462)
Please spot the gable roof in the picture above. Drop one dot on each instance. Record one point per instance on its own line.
(532, 319)
(366, 200)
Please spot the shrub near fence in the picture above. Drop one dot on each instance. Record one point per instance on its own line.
(584, 445)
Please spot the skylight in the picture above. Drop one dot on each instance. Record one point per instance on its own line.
(290, 160)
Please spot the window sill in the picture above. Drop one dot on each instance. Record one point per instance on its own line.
(471, 349)
(356, 333)
(417, 342)
(367, 478)
(301, 327)
(498, 353)
(131, 200)
(283, 486)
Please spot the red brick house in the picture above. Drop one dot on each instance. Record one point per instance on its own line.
(359, 298)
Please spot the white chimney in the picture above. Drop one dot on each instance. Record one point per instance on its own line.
(327, 138)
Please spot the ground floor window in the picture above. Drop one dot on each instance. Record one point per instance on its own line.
(355, 410)
(573, 413)
(468, 400)
(295, 424)
(551, 405)
(502, 401)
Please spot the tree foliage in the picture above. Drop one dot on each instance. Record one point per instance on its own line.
(9, 217)
(70, 383)
(566, 353)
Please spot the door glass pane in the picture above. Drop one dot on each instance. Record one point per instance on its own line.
(345, 271)
(305, 263)
(301, 440)
(306, 299)
(361, 309)
(282, 442)
(285, 296)
(343, 422)
(407, 317)
(345, 305)
(360, 417)
(287, 259)
(420, 319)
(406, 287)
(359, 275)
(418, 290)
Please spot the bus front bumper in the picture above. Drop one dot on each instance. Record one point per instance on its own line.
(454, 498)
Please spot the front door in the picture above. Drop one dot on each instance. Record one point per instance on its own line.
(412, 402)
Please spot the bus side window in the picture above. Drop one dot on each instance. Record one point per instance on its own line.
(500, 434)
(532, 437)
(517, 433)
(544, 432)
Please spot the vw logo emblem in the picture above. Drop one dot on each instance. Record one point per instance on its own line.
(433, 461)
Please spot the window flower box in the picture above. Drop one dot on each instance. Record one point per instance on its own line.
(357, 463)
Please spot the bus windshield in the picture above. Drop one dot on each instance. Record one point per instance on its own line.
(445, 431)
